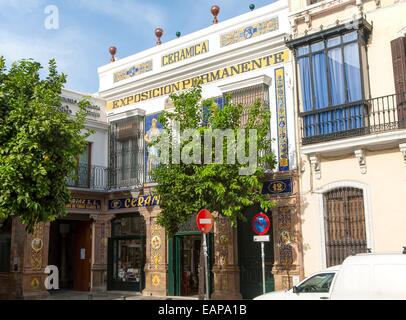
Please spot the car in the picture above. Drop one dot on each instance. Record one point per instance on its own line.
(315, 287)
(360, 277)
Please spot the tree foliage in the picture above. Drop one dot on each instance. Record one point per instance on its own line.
(38, 144)
(184, 188)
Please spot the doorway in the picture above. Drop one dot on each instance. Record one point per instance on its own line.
(70, 250)
(249, 257)
(186, 264)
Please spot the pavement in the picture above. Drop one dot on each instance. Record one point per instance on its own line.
(109, 295)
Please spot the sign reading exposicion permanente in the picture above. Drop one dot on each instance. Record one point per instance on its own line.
(215, 75)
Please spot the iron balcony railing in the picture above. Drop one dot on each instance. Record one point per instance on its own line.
(354, 119)
(92, 177)
(103, 178)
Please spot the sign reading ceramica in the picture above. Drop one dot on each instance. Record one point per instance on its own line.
(215, 75)
(141, 201)
(185, 53)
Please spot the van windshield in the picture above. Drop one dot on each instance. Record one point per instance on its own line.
(318, 283)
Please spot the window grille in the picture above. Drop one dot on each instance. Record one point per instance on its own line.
(127, 153)
(344, 224)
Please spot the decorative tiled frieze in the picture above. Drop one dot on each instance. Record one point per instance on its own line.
(249, 32)
(133, 71)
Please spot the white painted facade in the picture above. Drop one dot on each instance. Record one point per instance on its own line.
(95, 120)
(217, 57)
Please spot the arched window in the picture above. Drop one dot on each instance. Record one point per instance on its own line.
(344, 224)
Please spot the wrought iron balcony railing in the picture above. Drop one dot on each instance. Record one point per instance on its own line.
(102, 178)
(92, 177)
(354, 119)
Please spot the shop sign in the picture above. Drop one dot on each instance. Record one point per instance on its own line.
(185, 53)
(142, 201)
(219, 74)
(281, 186)
(87, 204)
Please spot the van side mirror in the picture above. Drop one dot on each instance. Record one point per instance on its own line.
(294, 289)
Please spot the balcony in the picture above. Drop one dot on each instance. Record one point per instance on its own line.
(365, 117)
(90, 177)
(103, 178)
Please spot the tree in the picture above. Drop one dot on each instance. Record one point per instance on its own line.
(185, 188)
(38, 144)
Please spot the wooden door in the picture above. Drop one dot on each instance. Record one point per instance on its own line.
(82, 256)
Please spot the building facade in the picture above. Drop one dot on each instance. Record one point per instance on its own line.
(74, 243)
(247, 58)
(350, 91)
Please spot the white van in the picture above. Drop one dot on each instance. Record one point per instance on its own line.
(360, 277)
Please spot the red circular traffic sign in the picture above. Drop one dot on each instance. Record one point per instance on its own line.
(260, 223)
(204, 221)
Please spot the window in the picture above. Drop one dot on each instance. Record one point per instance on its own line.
(398, 48)
(344, 224)
(248, 96)
(82, 171)
(5, 244)
(127, 253)
(318, 283)
(126, 152)
(331, 83)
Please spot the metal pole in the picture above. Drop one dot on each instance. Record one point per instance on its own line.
(263, 266)
(206, 271)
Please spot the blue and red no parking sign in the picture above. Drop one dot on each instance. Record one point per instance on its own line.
(260, 223)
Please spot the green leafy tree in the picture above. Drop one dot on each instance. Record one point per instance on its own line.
(185, 188)
(39, 145)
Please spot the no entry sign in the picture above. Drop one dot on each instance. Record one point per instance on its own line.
(204, 221)
(260, 223)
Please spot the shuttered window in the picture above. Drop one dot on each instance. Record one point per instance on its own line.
(398, 47)
(344, 224)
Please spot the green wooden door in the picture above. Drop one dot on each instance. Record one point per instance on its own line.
(249, 258)
(175, 267)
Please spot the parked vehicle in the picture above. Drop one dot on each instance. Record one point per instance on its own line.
(360, 277)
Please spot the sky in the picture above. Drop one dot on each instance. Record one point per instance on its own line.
(79, 33)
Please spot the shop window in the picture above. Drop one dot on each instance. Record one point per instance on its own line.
(127, 253)
(126, 152)
(5, 244)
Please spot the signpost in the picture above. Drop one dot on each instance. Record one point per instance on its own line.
(260, 224)
(205, 222)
